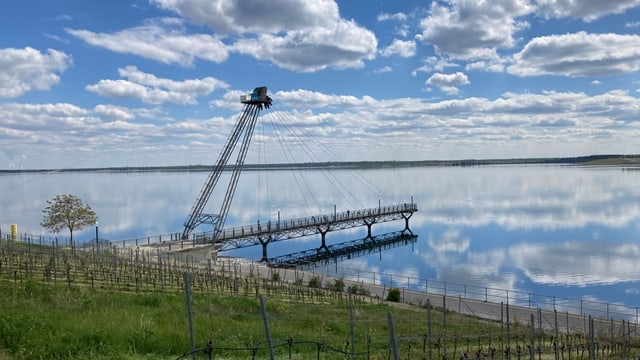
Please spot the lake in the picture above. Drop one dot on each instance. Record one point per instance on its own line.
(562, 231)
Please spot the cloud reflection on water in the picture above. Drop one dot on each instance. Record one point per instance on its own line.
(507, 227)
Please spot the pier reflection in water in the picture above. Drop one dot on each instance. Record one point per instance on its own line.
(345, 250)
(562, 231)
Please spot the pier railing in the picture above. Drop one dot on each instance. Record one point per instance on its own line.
(270, 226)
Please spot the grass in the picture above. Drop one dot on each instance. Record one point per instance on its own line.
(46, 322)
(41, 321)
(99, 308)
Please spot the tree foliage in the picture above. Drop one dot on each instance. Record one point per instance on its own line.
(394, 295)
(67, 212)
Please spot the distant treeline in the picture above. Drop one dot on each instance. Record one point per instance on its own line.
(580, 160)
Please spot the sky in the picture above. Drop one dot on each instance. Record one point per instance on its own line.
(158, 82)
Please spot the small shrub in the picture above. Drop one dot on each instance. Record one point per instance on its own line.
(314, 282)
(338, 285)
(275, 276)
(363, 291)
(394, 295)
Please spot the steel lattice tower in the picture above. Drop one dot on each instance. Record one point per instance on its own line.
(244, 127)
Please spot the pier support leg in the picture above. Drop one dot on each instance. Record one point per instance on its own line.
(406, 223)
(369, 223)
(264, 242)
(323, 245)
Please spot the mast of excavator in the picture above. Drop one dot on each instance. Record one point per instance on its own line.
(244, 127)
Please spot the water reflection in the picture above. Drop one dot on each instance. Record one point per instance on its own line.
(567, 231)
(345, 250)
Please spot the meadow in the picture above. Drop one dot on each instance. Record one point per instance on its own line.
(88, 303)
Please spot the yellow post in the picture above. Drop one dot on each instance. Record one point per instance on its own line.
(14, 231)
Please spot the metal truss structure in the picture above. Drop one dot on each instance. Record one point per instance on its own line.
(264, 234)
(226, 239)
(244, 127)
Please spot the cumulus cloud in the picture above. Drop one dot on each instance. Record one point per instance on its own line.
(473, 29)
(344, 45)
(521, 124)
(448, 83)
(255, 16)
(433, 63)
(27, 69)
(164, 40)
(303, 36)
(400, 47)
(315, 99)
(153, 90)
(579, 54)
(298, 35)
(113, 112)
(587, 10)
(34, 122)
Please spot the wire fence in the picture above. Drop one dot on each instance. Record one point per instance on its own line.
(523, 325)
(435, 337)
(171, 244)
(411, 285)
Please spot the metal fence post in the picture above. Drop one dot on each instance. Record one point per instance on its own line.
(508, 335)
(263, 308)
(532, 339)
(392, 336)
(556, 342)
(592, 345)
(192, 339)
(353, 336)
(429, 330)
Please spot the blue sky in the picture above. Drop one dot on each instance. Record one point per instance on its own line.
(157, 82)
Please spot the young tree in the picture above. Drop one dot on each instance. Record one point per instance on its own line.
(67, 212)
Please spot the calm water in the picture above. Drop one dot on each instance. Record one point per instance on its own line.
(563, 231)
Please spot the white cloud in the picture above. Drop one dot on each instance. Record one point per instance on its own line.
(153, 90)
(362, 128)
(28, 125)
(27, 69)
(255, 16)
(433, 63)
(303, 36)
(495, 65)
(588, 10)
(341, 46)
(401, 48)
(383, 70)
(164, 40)
(113, 112)
(448, 83)
(397, 17)
(579, 54)
(473, 29)
(313, 99)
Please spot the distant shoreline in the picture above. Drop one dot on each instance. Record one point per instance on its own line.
(591, 160)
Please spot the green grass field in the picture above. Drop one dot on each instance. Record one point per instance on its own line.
(66, 304)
